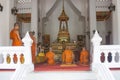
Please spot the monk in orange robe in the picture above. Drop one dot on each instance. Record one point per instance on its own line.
(33, 47)
(14, 36)
(50, 57)
(84, 57)
(68, 56)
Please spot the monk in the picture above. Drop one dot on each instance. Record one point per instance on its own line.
(68, 56)
(33, 47)
(14, 36)
(84, 57)
(50, 57)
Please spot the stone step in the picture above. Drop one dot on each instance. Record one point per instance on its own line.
(6, 75)
(62, 75)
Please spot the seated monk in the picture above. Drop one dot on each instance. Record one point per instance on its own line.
(67, 56)
(84, 57)
(33, 47)
(14, 36)
(50, 57)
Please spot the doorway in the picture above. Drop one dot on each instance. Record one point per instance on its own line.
(25, 23)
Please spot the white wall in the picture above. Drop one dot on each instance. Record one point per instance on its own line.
(25, 27)
(76, 26)
(104, 27)
(101, 27)
(109, 28)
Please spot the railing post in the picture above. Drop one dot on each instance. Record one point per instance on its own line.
(96, 41)
(27, 44)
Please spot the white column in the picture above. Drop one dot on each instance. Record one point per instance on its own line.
(12, 18)
(115, 22)
(87, 29)
(6, 21)
(27, 44)
(42, 14)
(34, 17)
(40, 19)
(92, 16)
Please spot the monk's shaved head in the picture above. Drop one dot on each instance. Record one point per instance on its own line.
(16, 26)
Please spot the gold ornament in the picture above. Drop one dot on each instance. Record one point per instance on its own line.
(8, 59)
(22, 59)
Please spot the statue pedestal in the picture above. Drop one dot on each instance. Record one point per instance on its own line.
(58, 49)
(68, 65)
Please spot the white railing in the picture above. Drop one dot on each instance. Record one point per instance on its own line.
(104, 57)
(103, 72)
(12, 56)
(21, 72)
(105, 54)
(18, 58)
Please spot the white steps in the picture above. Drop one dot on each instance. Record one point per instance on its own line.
(6, 75)
(62, 75)
(116, 74)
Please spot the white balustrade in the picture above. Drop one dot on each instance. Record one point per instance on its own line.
(22, 71)
(105, 54)
(7, 54)
(103, 72)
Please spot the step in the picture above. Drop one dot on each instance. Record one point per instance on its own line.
(62, 75)
(116, 74)
(6, 75)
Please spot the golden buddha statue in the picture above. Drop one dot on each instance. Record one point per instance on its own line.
(63, 34)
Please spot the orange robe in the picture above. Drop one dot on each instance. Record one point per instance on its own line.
(50, 57)
(84, 57)
(16, 41)
(67, 57)
(33, 48)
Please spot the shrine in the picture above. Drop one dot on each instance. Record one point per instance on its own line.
(63, 37)
(63, 34)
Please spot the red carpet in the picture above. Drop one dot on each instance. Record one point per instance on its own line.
(45, 67)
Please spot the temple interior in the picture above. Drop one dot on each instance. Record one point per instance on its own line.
(61, 24)
(59, 39)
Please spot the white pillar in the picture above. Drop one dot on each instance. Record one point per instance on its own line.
(12, 18)
(115, 22)
(27, 44)
(6, 21)
(92, 16)
(34, 17)
(96, 42)
(40, 19)
(87, 29)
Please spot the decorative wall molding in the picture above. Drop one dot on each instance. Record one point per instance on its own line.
(102, 5)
